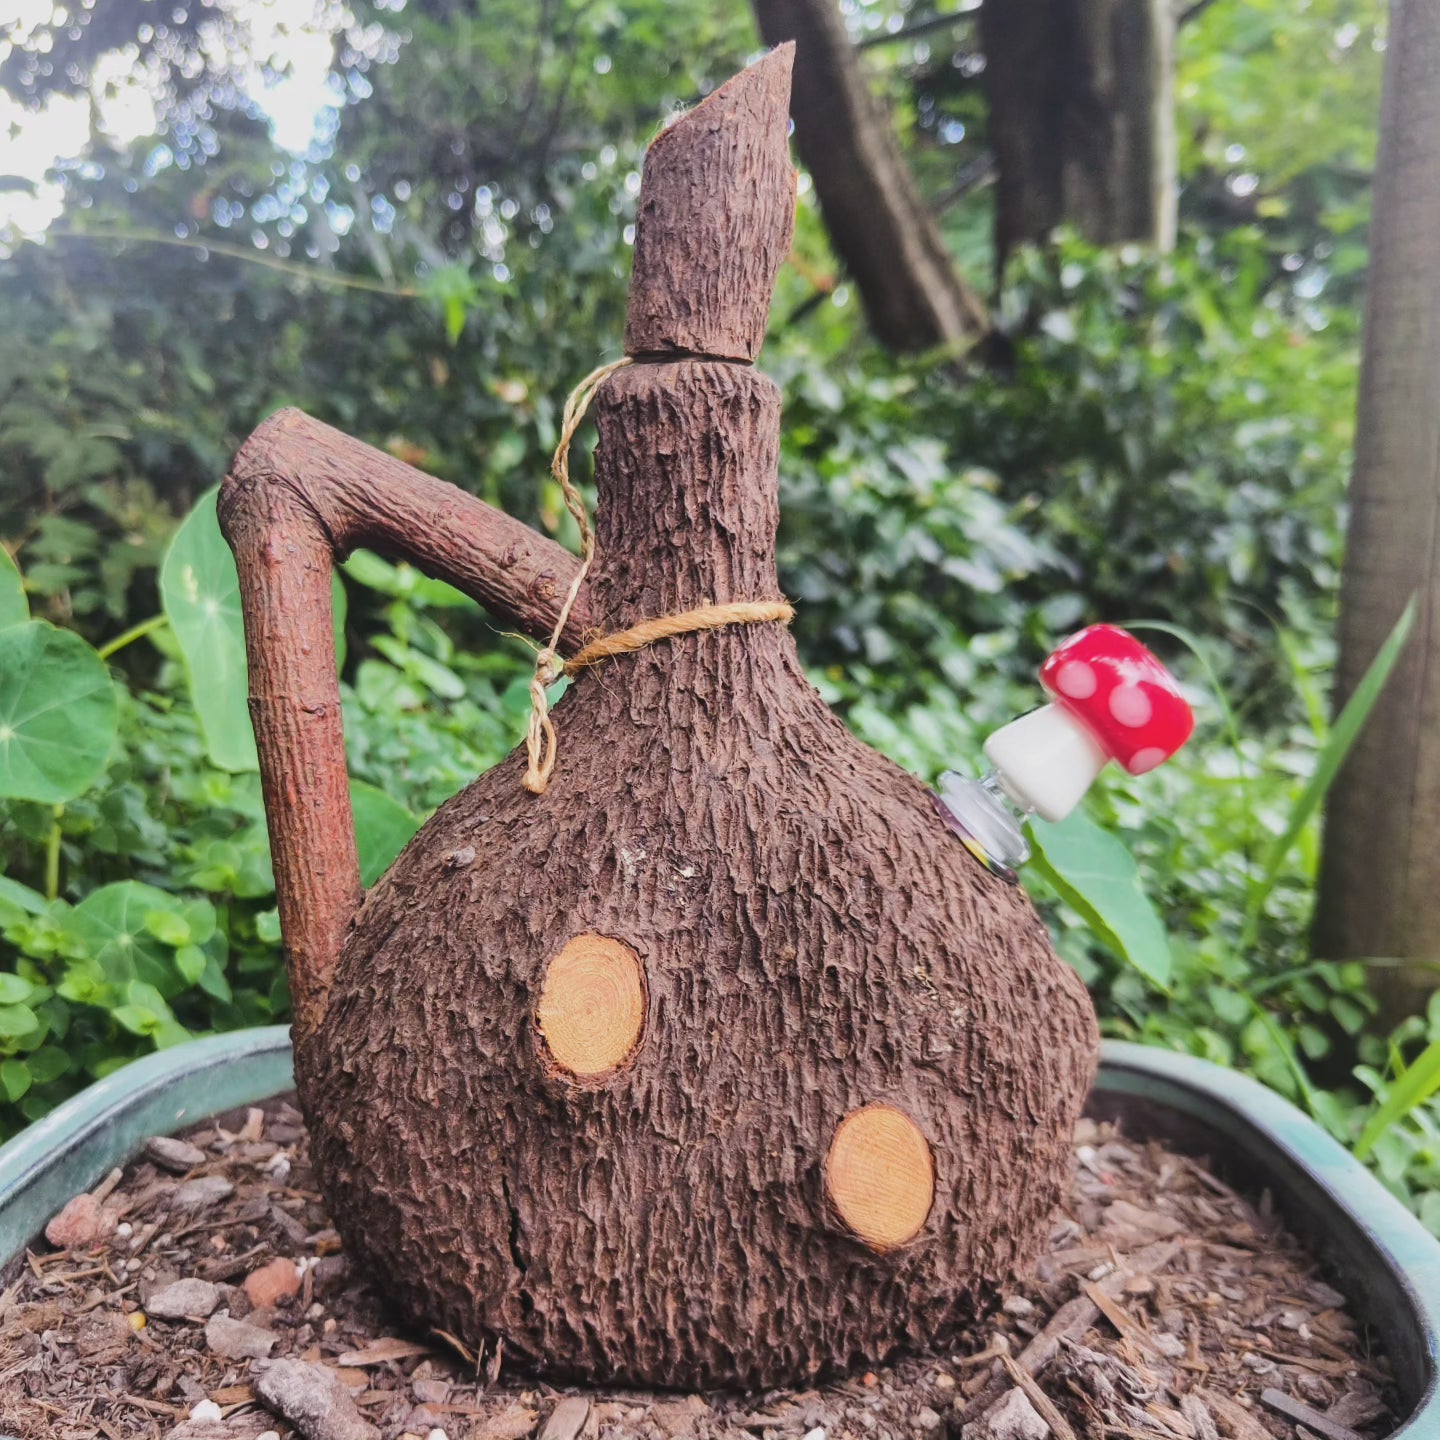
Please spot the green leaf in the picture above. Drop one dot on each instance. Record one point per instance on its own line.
(111, 924)
(14, 989)
(12, 892)
(213, 982)
(48, 1063)
(14, 608)
(383, 827)
(1414, 1087)
(15, 1079)
(17, 1020)
(190, 961)
(168, 927)
(200, 590)
(1096, 875)
(404, 582)
(136, 1019)
(1342, 736)
(22, 896)
(57, 713)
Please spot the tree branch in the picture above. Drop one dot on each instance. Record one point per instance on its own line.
(300, 495)
(919, 28)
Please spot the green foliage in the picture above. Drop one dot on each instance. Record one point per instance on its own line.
(57, 713)
(1093, 873)
(201, 594)
(14, 608)
(140, 912)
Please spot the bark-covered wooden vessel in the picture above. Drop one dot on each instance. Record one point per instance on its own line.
(722, 1061)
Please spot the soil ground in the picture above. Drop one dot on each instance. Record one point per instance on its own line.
(203, 1295)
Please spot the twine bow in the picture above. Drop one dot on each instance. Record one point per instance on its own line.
(540, 740)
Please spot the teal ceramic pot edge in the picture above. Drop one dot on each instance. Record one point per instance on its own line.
(1386, 1262)
(78, 1143)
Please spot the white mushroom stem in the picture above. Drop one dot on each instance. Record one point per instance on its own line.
(1046, 761)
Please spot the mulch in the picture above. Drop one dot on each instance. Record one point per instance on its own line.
(203, 1295)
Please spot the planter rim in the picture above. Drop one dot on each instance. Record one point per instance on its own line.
(1391, 1262)
(1356, 1226)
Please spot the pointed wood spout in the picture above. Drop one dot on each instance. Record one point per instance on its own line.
(716, 215)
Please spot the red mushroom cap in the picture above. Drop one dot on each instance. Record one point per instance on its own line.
(1122, 694)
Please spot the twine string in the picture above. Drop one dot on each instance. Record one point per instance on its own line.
(540, 739)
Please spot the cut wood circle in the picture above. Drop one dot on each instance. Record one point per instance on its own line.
(592, 1005)
(881, 1176)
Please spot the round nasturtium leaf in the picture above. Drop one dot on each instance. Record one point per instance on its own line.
(111, 923)
(14, 608)
(57, 713)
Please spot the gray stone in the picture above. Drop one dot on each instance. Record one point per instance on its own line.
(313, 1401)
(235, 1340)
(1012, 1417)
(204, 1190)
(183, 1300)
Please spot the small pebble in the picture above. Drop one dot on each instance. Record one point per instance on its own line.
(927, 1419)
(206, 1410)
(172, 1154)
(82, 1222)
(184, 1300)
(272, 1283)
(1018, 1306)
(235, 1340)
(313, 1401)
(818, 1433)
(203, 1190)
(124, 1230)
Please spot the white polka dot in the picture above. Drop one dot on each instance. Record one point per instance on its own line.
(1146, 759)
(1131, 706)
(1076, 680)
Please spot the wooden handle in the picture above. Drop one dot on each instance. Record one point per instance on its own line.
(298, 496)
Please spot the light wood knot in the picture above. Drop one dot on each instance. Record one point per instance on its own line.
(880, 1176)
(592, 1005)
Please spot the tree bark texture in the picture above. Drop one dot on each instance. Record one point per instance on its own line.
(1081, 100)
(791, 939)
(887, 240)
(1380, 874)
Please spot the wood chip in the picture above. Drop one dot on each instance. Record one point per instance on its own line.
(1044, 1405)
(567, 1419)
(381, 1352)
(1306, 1415)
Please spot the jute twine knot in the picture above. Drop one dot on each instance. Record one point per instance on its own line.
(540, 740)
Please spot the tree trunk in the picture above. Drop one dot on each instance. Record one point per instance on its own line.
(722, 1061)
(1082, 123)
(886, 239)
(1380, 876)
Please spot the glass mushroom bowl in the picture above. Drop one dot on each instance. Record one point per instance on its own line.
(1113, 700)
